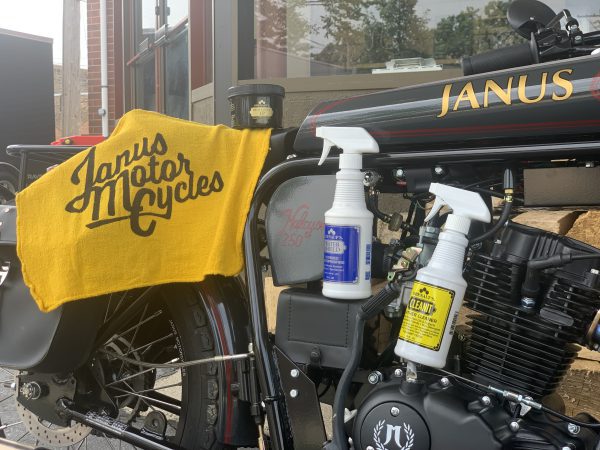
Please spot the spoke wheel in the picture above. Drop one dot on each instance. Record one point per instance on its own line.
(171, 327)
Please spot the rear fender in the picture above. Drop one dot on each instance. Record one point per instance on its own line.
(226, 305)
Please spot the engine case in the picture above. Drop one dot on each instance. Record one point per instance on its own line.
(432, 414)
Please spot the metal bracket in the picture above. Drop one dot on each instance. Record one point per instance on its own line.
(304, 410)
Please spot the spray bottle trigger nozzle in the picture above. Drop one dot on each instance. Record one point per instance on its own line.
(437, 205)
(327, 144)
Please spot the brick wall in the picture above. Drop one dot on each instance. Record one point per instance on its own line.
(115, 100)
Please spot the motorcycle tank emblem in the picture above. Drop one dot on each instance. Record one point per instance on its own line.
(553, 85)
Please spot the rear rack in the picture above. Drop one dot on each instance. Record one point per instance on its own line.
(43, 154)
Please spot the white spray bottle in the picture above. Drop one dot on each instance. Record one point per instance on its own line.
(348, 224)
(439, 287)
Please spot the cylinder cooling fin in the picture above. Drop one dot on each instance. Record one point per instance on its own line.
(528, 344)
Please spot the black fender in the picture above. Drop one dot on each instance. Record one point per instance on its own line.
(226, 304)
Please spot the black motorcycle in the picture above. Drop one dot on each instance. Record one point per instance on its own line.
(194, 366)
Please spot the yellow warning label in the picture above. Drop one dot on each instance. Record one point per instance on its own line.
(426, 315)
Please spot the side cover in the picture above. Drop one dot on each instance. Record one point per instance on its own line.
(30, 339)
(295, 224)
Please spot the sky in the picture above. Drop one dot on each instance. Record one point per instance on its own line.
(42, 18)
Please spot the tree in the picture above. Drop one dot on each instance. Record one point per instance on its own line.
(493, 30)
(367, 31)
(454, 36)
(343, 23)
(472, 31)
(282, 26)
(403, 32)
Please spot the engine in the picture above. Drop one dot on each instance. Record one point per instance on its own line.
(527, 342)
(532, 305)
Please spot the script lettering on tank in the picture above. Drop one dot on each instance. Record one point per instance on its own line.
(144, 181)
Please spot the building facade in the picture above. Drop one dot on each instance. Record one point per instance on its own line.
(179, 57)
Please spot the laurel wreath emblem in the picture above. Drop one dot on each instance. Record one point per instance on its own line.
(410, 436)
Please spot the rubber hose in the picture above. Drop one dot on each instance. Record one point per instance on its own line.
(368, 310)
(494, 228)
(339, 441)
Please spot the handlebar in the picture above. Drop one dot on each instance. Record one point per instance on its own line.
(504, 58)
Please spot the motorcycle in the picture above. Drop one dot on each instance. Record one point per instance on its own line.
(194, 365)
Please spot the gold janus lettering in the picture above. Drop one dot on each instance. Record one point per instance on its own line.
(560, 89)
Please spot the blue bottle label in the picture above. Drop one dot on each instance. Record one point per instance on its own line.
(342, 250)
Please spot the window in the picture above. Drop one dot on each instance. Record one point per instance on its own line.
(159, 66)
(302, 38)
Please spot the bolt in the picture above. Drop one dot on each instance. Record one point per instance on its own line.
(528, 302)
(595, 271)
(573, 429)
(514, 427)
(394, 411)
(398, 373)
(31, 391)
(438, 170)
(398, 173)
(375, 377)
(486, 401)
(445, 382)
(371, 178)
(295, 373)
(294, 393)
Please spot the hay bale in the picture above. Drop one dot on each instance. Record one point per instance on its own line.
(587, 228)
(559, 222)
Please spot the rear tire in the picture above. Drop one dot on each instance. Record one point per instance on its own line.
(200, 393)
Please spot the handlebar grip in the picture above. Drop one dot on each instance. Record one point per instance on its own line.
(503, 58)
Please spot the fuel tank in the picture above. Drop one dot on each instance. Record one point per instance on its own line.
(550, 102)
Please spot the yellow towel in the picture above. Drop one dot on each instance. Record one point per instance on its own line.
(162, 200)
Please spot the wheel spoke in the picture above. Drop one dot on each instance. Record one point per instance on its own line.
(149, 344)
(122, 380)
(130, 342)
(6, 398)
(149, 390)
(117, 336)
(171, 407)
(107, 440)
(6, 371)
(9, 425)
(22, 436)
